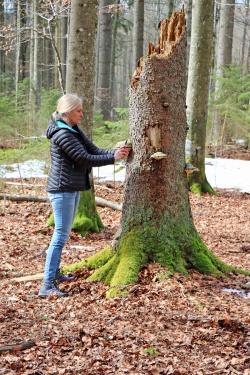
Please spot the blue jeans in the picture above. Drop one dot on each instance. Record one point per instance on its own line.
(64, 205)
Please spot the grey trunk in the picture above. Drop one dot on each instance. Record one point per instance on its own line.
(198, 81)
(105, 49)
(81, 56)
(138, 31)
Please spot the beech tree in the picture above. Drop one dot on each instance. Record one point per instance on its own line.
(198, 89)
(156, 224)
(138, 31)
(80, 80)
(104, 54)
(224, 53)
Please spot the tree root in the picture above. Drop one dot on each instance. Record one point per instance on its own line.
(139, 246)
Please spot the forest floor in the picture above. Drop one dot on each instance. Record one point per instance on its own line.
(178, 325)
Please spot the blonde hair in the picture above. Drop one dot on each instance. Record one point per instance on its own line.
(68, 103)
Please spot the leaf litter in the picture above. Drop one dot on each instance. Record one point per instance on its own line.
(178, 325)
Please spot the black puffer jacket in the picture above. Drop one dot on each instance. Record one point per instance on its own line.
(72, 157)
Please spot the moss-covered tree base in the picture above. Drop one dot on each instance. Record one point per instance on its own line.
(176, 247)
(86, 219)
(199, 185)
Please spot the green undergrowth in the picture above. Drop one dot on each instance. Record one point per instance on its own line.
(35, 149)
(105, 135)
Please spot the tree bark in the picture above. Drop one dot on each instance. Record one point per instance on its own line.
(80, 80)
(18, 45)
(223, 53)
(244, 38)
(198, 89)
(104, 69)
(156, 224)
(138, 31)
(2, 54)
(188, 12)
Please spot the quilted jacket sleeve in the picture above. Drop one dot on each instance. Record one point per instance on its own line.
(85, 155)
(91, 147)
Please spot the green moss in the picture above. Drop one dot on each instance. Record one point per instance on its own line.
(198, 185)
(195, 188)
(105, 272)
(201, 262)
(87, 218)
(172, 243)
(117, 292)
(93, 262)
(100, 258)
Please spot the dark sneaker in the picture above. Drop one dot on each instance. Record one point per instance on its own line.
(51, 289)
(60, 278)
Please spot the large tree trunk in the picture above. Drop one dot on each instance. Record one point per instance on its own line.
(198, 89)
(80, 80)
(156, 224)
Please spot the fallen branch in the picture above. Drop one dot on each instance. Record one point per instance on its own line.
(24, 184)
(37, 276)
(23, 198)
(36, 198)
(17, 347)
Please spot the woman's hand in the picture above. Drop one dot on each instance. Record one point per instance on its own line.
(122, 153)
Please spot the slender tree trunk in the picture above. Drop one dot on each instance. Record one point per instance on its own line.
(225, 37)
(18, 31)
(244, 39)
(105, 44)
(23, 73)
(188, 12)
(31, 68)
(138, 31)
(64, 32)
(223, 53)
(35, 62)
(2, 54)
(198, 89)
(156, 224)
(113, 56)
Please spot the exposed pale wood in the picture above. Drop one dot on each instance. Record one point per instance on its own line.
(23, 198)
(24, 184)
(105, 203)
(170, 32)
(36, 198)
(37, 276)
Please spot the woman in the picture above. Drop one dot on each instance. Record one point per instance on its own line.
(72, 157)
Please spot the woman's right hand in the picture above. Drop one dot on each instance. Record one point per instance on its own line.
(122, 153)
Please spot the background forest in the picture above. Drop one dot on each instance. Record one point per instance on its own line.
(33, 66)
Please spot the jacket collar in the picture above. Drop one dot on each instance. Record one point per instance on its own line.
(62, 125)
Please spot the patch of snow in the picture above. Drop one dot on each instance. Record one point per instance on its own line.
(228, 174)
(26, 169)
(221, 173)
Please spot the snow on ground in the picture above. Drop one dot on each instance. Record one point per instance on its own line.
(221, 173)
